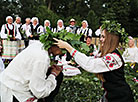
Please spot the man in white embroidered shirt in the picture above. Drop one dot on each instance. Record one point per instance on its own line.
(25, 79)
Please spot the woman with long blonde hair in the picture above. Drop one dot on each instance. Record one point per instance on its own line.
(109, 66)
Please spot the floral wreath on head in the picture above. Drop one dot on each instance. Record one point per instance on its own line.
(115, 27)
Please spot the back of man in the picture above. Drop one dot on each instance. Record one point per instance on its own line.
(25, 75)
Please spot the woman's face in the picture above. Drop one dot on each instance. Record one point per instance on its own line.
(60, 24)
(46, 24)
(35, 22)
(102, 38)
(131, 43)
(84, 25)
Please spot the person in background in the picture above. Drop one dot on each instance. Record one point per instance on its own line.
(35, 30)
(9, 29)
(84, 30)
(109, 66)
(60, 26)
(18, 23)
(131, 53)
(10, 37)
(93, 50)
(25, 27)
(72, 28)
(47, 24)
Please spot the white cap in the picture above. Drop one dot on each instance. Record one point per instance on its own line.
(47, 21)
(84, 21)
(34, 18)
(18, 18)
(8, 17)
(72, 20)
(60, 21)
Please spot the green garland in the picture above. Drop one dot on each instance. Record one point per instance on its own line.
(114, 27)
(73, 39)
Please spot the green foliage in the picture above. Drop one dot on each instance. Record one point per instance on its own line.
(87, 88)
(81, 88)
(73, 39)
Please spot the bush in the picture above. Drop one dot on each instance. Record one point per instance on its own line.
(87, 88)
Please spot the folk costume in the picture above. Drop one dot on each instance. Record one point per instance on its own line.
(44, 30)
(59, 28)
(85, 31)
(72, 28)
(11, 40)
(27, 80)
(35, 30)
(112, 68)
(25, 27)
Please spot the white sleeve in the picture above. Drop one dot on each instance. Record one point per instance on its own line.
(95, 51)
(18, 36)
(39, 85)
(98, 65)
(67, 29)
(28, 32)
(78, 30)
(97, 32)
(3, 35)
(90, 32)
(40, 29)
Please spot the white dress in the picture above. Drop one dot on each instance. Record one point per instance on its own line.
(25, 76)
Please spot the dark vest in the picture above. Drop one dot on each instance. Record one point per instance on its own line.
(34, 32)
(11, 31)
(116, 88)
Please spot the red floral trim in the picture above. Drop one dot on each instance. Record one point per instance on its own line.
(31, 99)
(74, 53)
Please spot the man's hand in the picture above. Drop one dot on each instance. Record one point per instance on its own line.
(31, 35)
(56, 69)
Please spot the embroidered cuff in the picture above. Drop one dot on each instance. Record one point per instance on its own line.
(73, 52)
(53, 73)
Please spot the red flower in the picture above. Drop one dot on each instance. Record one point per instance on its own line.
(111, 65)
(108, 58)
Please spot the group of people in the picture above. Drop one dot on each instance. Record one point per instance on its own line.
(16, 32)
(30, 78)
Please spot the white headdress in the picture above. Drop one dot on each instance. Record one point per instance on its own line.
(8, 17)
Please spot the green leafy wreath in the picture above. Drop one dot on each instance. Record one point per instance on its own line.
(114, 27)
(73, 39)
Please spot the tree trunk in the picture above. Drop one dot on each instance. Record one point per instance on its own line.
(49, 4)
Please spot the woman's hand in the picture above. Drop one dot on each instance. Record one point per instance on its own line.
(63, 44)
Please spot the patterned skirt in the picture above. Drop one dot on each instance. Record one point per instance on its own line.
(12, 48)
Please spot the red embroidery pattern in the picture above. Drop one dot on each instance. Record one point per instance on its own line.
(74, 53)
(31, 99)
(109, 61)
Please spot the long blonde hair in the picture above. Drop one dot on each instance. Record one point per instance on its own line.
(110, 44)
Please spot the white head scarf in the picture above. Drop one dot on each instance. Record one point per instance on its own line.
(60, 28)
(47, 21)
(8, 17)
(35, 18)
(18, 18)
(84, 21)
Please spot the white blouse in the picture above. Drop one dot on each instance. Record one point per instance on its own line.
(25, 76)
(4, 36)
(97, 65)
